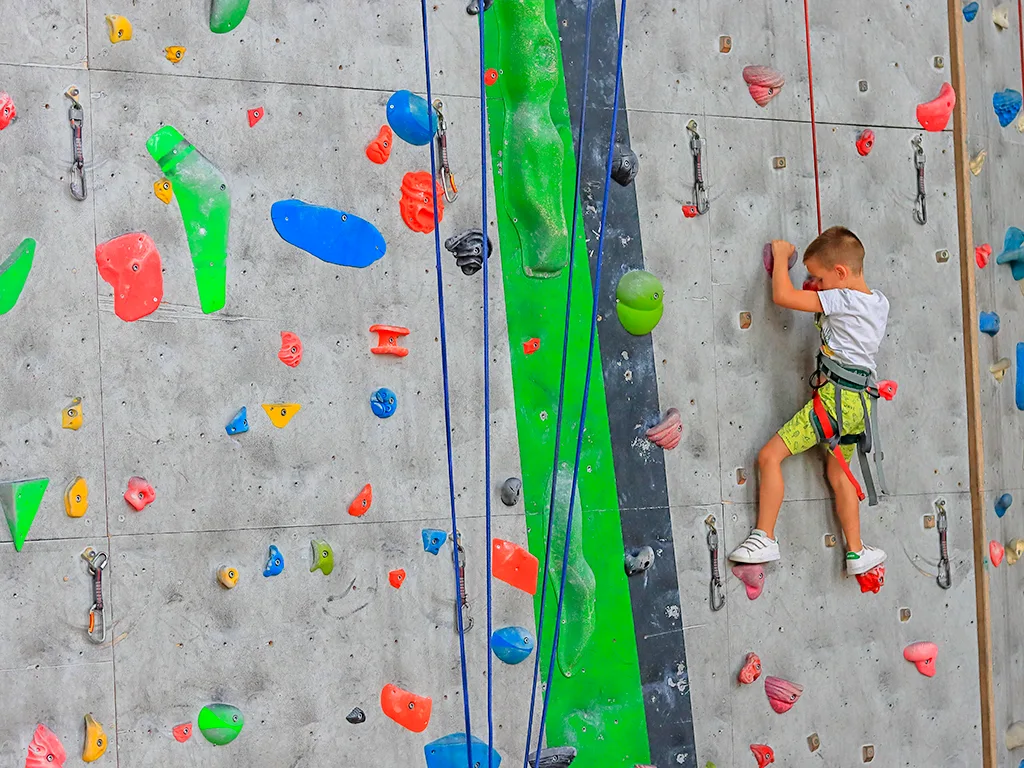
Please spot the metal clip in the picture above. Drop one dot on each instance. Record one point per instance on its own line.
(97, 616)
(451, 191)
(943, 579)
(920, 211)
(467, 620)
(715, 586)
(76, 116)
(700, 194)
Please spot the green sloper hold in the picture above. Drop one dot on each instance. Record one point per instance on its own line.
(205, 207)
(639, 297)
(14, 272)
(225, 15)
(20, 500)
(220, 723)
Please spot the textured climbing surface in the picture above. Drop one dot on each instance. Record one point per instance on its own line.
(334, 236)
(20, 500)
(14, 272)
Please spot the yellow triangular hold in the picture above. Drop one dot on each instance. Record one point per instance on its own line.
(281, 413)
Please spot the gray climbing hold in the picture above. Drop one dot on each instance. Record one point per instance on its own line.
(356, 716)
(510, 491)
(639, 560)
(474, 6)
(625, 165)
(468, 249)
(553, 757)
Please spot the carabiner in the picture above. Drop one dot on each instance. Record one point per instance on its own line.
(97, 616)
(451, 191)
(920, 210)
(717, 595)
(700, 194)
(463, 598)
(76, 117)
(943, 579)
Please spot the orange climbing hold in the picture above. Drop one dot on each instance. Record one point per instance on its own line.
(379, 150)
(255, 115)
(995, 552)
(419, 194)
(387, 340)
(183, 732)
(407, 709)
(934, 115)
(982, 254)
(139, 493)
(361, 504)
(490, 77)
(291, 349)
(396, 577)
(514, 565)
(763, 753)
(531, 346)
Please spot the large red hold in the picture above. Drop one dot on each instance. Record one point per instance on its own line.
(419, 193)
(131, 264)
(407, 709)
(934, 115)
(361, 504)
(514, 565)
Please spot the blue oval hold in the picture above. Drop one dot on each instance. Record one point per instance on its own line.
(512, 644)
(1006, 105)
(970, 11)
(450, 752)
(433, 540)
(383, 403)
(408, 118)
(275, 562)
(239, 423)
(1003, 503)
(334, 236)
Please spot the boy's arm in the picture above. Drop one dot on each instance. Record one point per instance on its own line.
(783, 292)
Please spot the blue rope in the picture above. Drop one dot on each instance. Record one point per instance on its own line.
(590, 368)
(447, 403)
(561, 387)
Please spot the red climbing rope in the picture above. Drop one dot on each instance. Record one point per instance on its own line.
(814, 125)
(828, 432)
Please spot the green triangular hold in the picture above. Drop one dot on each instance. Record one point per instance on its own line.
(14, 272)
(20, 500)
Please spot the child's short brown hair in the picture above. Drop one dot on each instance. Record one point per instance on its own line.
(837, 245)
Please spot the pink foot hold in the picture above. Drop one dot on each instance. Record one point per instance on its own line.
(291, 349)
(139, 493)
(865, 142)
(934, 115)
(995, 553)
(982, 254)
(764, 83)
(923, 655)
(668, 432)
(782, 694)
(752, 577)
(873, 580)
(751, 669)
(45, 750)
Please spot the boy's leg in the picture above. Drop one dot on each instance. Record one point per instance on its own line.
(760, 546)
(859, 558)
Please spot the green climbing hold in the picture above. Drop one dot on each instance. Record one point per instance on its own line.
(205, 207)
(639, 297)
(225, 15)
(14, 272)
(20, 500)
(220, 723)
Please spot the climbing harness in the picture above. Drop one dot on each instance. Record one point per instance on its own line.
(943, 579)
(451, 191)
(701, 203)
(830, 429)
(463, 598)
(920, 211)
(715, 586)
(76, 116)
(97, 616)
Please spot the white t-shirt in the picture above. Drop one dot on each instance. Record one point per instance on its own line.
(852, 326)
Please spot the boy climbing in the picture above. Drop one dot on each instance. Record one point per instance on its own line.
(852, 319)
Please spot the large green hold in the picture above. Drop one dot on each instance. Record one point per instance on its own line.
(20, 500)
(225, 15)
(220, 723)
(14, 272)
(639, 297)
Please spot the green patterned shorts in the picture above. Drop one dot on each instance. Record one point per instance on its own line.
(799, 434)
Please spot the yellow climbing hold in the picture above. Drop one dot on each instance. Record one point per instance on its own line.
(95, 740)
(999, 368)
(978, 161)
(1001, 16)
(119, 28)
(1014, 551)
(228, 576)
(71, 418)
(175, 53)
(76, 497)
(163, 190)
(281, 413)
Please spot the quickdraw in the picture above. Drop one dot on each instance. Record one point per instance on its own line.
(97, 616)
(717, 595)
(701, 203)
(467, 620)
(451, 191)
(76, 116)
(943, 579)
(920, 211)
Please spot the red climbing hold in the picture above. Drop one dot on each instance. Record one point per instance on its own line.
(751, 669)
(387, 340)
(865, 142)
(531, 346)
(873, 580)
(361, 504)
(255, 115)
(131, 264)
(782, 694)
(982, 254)
(379, 150)
(396, 577)
(490, 77)
(887, 389)
(995, 553)
(934, 115)
(752, 577)
(291, 349)
(763, 753)
(417, 204)
(764, 83)
(690, 211)
(514, 565)
(183, 732)
(407, 709)
(139, 493)
(7, 110)
(923, 655)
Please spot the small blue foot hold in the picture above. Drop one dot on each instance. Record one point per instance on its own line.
(239, 423)
(988, 322)
(1020, 377)
(1006, 105)
(450, 752)
(408, 117)
(334, 236)
(512, 644)
(383, 403)
(433, 540)
(1013, 252)
(275, 562)
(1003, 503)
(970, 11)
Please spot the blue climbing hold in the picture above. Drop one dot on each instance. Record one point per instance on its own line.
(433, 540)
(970, 11)
(1007, 105)
(383, 403)
(450, 752)
(512, 644)
(988, 322)
(239, 423)
(275, 562)
(408, 117)
(1019, 395)
(331, 235)
(1003, 503)
(1013, 252)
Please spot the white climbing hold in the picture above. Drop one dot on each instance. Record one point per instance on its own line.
(1015, 735)
(1001, 17)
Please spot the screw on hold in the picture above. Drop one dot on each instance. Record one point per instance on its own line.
(813, 742)
(356, 716)
(862, 86)
(867, 753)
(724, 43)
(830, 540)
(920, 210)
(474, 6)
(510, 491)
(625, 165)
(700, 194)
(778, 163)
(638, 560)
(943, 579)
(942, 256)
(448, 186)
(939, 62)
(745, 320)
(929, 521)
(741, 476)
(904, 614)
(715, 591)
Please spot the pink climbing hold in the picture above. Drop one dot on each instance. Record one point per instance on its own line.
(934, 115)
(45, 750)
(995, 553)
(667, 433)
(139, 493)
(865, 142)
(131, 265)
(291, 349)
(923, 655)
(764, 83)
(7, 110)
(982, 254)
(752, 577)
(782, 694)
(255, 115)
(751, 669)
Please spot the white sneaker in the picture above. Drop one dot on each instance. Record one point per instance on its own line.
(863, 561)
(756, 548)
